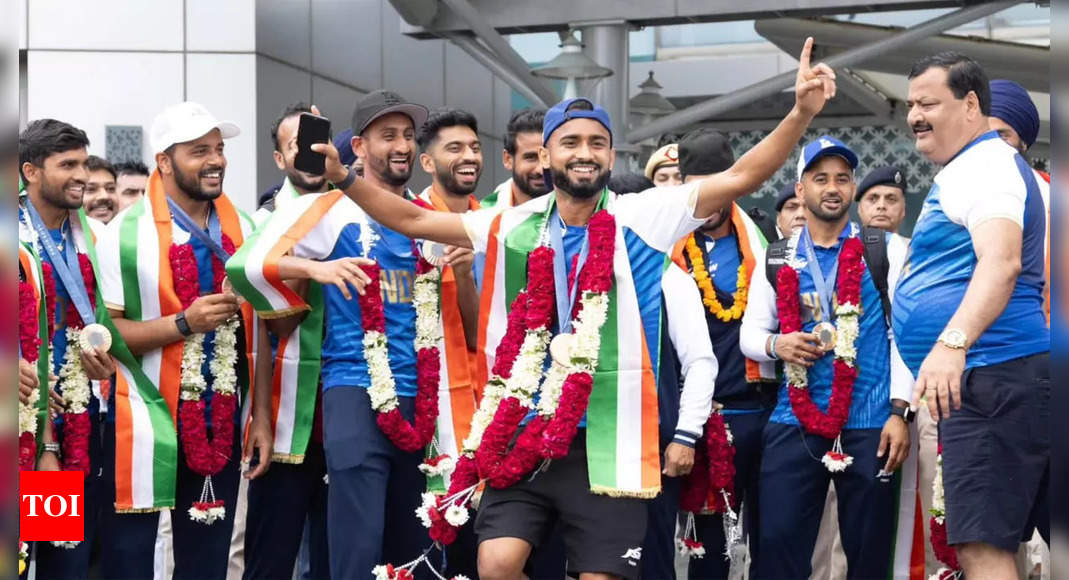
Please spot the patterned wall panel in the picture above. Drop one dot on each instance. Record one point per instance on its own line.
(875, 147)
(123, 143)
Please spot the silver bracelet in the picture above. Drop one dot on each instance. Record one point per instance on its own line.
(772, 347)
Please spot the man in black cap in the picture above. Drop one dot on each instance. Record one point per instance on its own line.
(790, 211)
(882, 199)
(374, 486)
(721, 257)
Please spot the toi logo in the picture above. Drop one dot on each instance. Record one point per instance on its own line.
(51, 506)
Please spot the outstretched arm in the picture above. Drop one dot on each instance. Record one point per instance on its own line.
(812, 88)
(392, 211)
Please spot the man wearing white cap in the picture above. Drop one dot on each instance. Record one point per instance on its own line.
(178, 445)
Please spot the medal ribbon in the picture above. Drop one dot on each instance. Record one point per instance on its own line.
(825, 286)
(213, 239)
(65, 265)
(566, 297)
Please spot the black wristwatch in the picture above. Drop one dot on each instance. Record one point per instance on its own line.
(182, 324)
(349, 179)
(907, 414)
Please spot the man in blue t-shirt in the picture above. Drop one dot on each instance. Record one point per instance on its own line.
(875, 433)
(968, 314)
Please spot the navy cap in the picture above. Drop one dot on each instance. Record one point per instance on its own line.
(1011, 103)
(343, 142)
(821, 147)
(559, 115)
(785, 194)
(882, 176)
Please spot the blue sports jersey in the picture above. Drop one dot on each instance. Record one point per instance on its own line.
(723, 263)
(988, 179)
(870, 405)
(343, 350)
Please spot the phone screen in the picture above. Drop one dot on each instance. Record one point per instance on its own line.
(312, 129)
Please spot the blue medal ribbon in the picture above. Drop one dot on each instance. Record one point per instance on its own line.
(213, 239)
(65, 265)
(825, 289)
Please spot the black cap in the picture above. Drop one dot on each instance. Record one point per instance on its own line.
(704, 152)
(378, 103)
(883, 176)
(786, 193)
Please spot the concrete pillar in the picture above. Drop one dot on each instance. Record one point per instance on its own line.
(607, 44)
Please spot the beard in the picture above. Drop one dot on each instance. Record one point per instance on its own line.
(57, 195)
(387, 174)
(524, 183)
(580, 190)
(190, 184)
(450, 184)
(302, 181)
(721, 217)
(824, 215)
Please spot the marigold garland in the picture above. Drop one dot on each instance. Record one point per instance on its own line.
(705, 284)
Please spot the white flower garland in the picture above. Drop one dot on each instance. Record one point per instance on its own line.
(484, 415)
(208, 516)
(383, 389)
(28, 413)
(76, 388)
(847, 328)
(584, 353)
(222, 367)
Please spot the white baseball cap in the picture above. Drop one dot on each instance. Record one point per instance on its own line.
(185, 122)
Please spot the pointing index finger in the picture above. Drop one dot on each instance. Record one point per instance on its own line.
(803, 60)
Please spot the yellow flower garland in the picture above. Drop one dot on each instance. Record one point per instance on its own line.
(705, 284)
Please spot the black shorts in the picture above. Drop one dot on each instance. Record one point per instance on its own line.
(601, 533)
(996, 454)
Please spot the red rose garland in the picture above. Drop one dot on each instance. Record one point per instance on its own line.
(466, 473)
(30, 346)
(815, 421)
(204, 456)
(76, 426)
(544, 437)
(710, 486)
(938, 526)
(403, 434)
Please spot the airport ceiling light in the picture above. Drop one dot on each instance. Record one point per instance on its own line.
(650, 101)
(571, 63)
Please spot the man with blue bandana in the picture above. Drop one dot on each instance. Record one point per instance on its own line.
(968, 315)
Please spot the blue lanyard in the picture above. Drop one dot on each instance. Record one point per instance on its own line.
(819, 281)
(565, 299)
(66, 265)
(213, 239)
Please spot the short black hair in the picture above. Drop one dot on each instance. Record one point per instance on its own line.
(668, 138)
(439, 119)
(629, 183)
(291, 110)
(130, 168)
(963, 75)
(526, 120)
(101, 164)
(43, 138)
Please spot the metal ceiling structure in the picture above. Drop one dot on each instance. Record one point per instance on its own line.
(856, 51)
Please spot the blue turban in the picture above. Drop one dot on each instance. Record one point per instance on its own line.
(343, 143)
(1011, 103)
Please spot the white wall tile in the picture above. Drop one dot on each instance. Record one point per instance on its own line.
(92, 90)
(226, 85)
(106, 24)
(229, 25)
(20, 22)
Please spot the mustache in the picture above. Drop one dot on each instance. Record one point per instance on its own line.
(573, 164)
(105, 203)
(917, 127)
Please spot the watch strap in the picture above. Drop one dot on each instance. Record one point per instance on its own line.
(182, 324)
(349, 179)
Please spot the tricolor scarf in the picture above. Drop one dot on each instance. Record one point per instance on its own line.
(146, 394)
(501, 197)
(622, 422)
(298, 361)
(31, 267)
(456, 396)
(751, 243)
